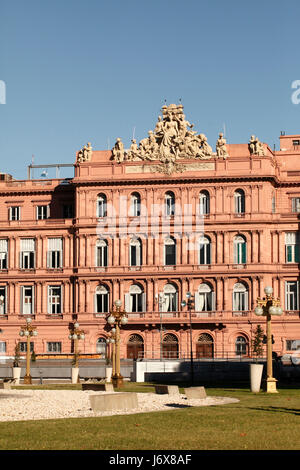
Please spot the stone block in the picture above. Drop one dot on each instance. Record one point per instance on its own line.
(195, 392)
(167, 389)
(100, 387)
(114, 401)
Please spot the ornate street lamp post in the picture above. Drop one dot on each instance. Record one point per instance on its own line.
(76, 334)
(112, 340)
(28, 331)
(267, 307)
(160, 299)
(191, 305)
(117, 318)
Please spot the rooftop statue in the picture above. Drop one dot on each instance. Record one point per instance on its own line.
(221, 148)
(85, 154)
(256, 147)
(173, 138)
(118, 151)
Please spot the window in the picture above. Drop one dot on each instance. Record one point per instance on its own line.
(292, 243)
(135, 205)
(205, 299)
(102, 299)
(135, 300)
(292, 295)
(204, 202)
(170, 299)
(3, 253)
(293, 344)
(23, 346)
(241, 346)
(54, 299)
(296, 204)
(27, 254)
(2, 347)
(27, 300)
(68, 211)
(42, 212)
(101, 206)
(3, 297)
(54, 254)
(170, 252)
(240, 250)
(101, 253)
(296, 142)
(15, 213)
(204, 250)
(135, 252)
(101, 346)
(169, 203)
(239, 201)
(54, 347)
(240, 298)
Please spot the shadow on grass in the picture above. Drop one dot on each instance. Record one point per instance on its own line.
(177, 405)
(275, 409)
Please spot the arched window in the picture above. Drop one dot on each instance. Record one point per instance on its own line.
(135, 300)
(169, 203)
(241, 346)
(205, 299)
(101, 253)
(240, 298)
(102, 299)
(204, 346)
(170, 347)
(240, 250)
(135, 347)
(135, 252)
(204, 202)
(101, 205)
(170, 303)
(170, 251)
(135, 205)
(101, 346)
(204, 250)
(239, 201)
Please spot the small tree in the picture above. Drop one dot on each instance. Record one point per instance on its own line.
(257, 342)
(17, 357)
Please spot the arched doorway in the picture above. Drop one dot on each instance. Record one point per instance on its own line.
(170, 347)
(205, 346)
(135, 347)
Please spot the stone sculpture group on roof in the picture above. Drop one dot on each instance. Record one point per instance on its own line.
(172, 139)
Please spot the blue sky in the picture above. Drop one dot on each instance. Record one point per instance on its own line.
(92, 70)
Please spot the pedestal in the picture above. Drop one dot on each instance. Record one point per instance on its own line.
(27, 379)
(270, 385)
(117, 381)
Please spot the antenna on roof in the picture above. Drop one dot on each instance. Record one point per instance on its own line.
(133, 132)
(224, 130)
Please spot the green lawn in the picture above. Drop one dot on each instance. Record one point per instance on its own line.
(258, 422)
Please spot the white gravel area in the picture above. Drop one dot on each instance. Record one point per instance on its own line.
(21, 405)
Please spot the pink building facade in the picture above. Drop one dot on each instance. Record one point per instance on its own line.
(147, 225)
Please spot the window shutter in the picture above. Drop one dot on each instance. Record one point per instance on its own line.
(297, 258)
(22, 299)
(61, 299)
(289, 257)
(246, 300)
(32, 300)
(244, 252)
(197, 302)
(213, 301)
(127, 303)
(144, 307)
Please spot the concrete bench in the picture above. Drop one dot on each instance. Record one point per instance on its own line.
(167, 389)
(114, 401)
(98, 387)
(195, 392)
